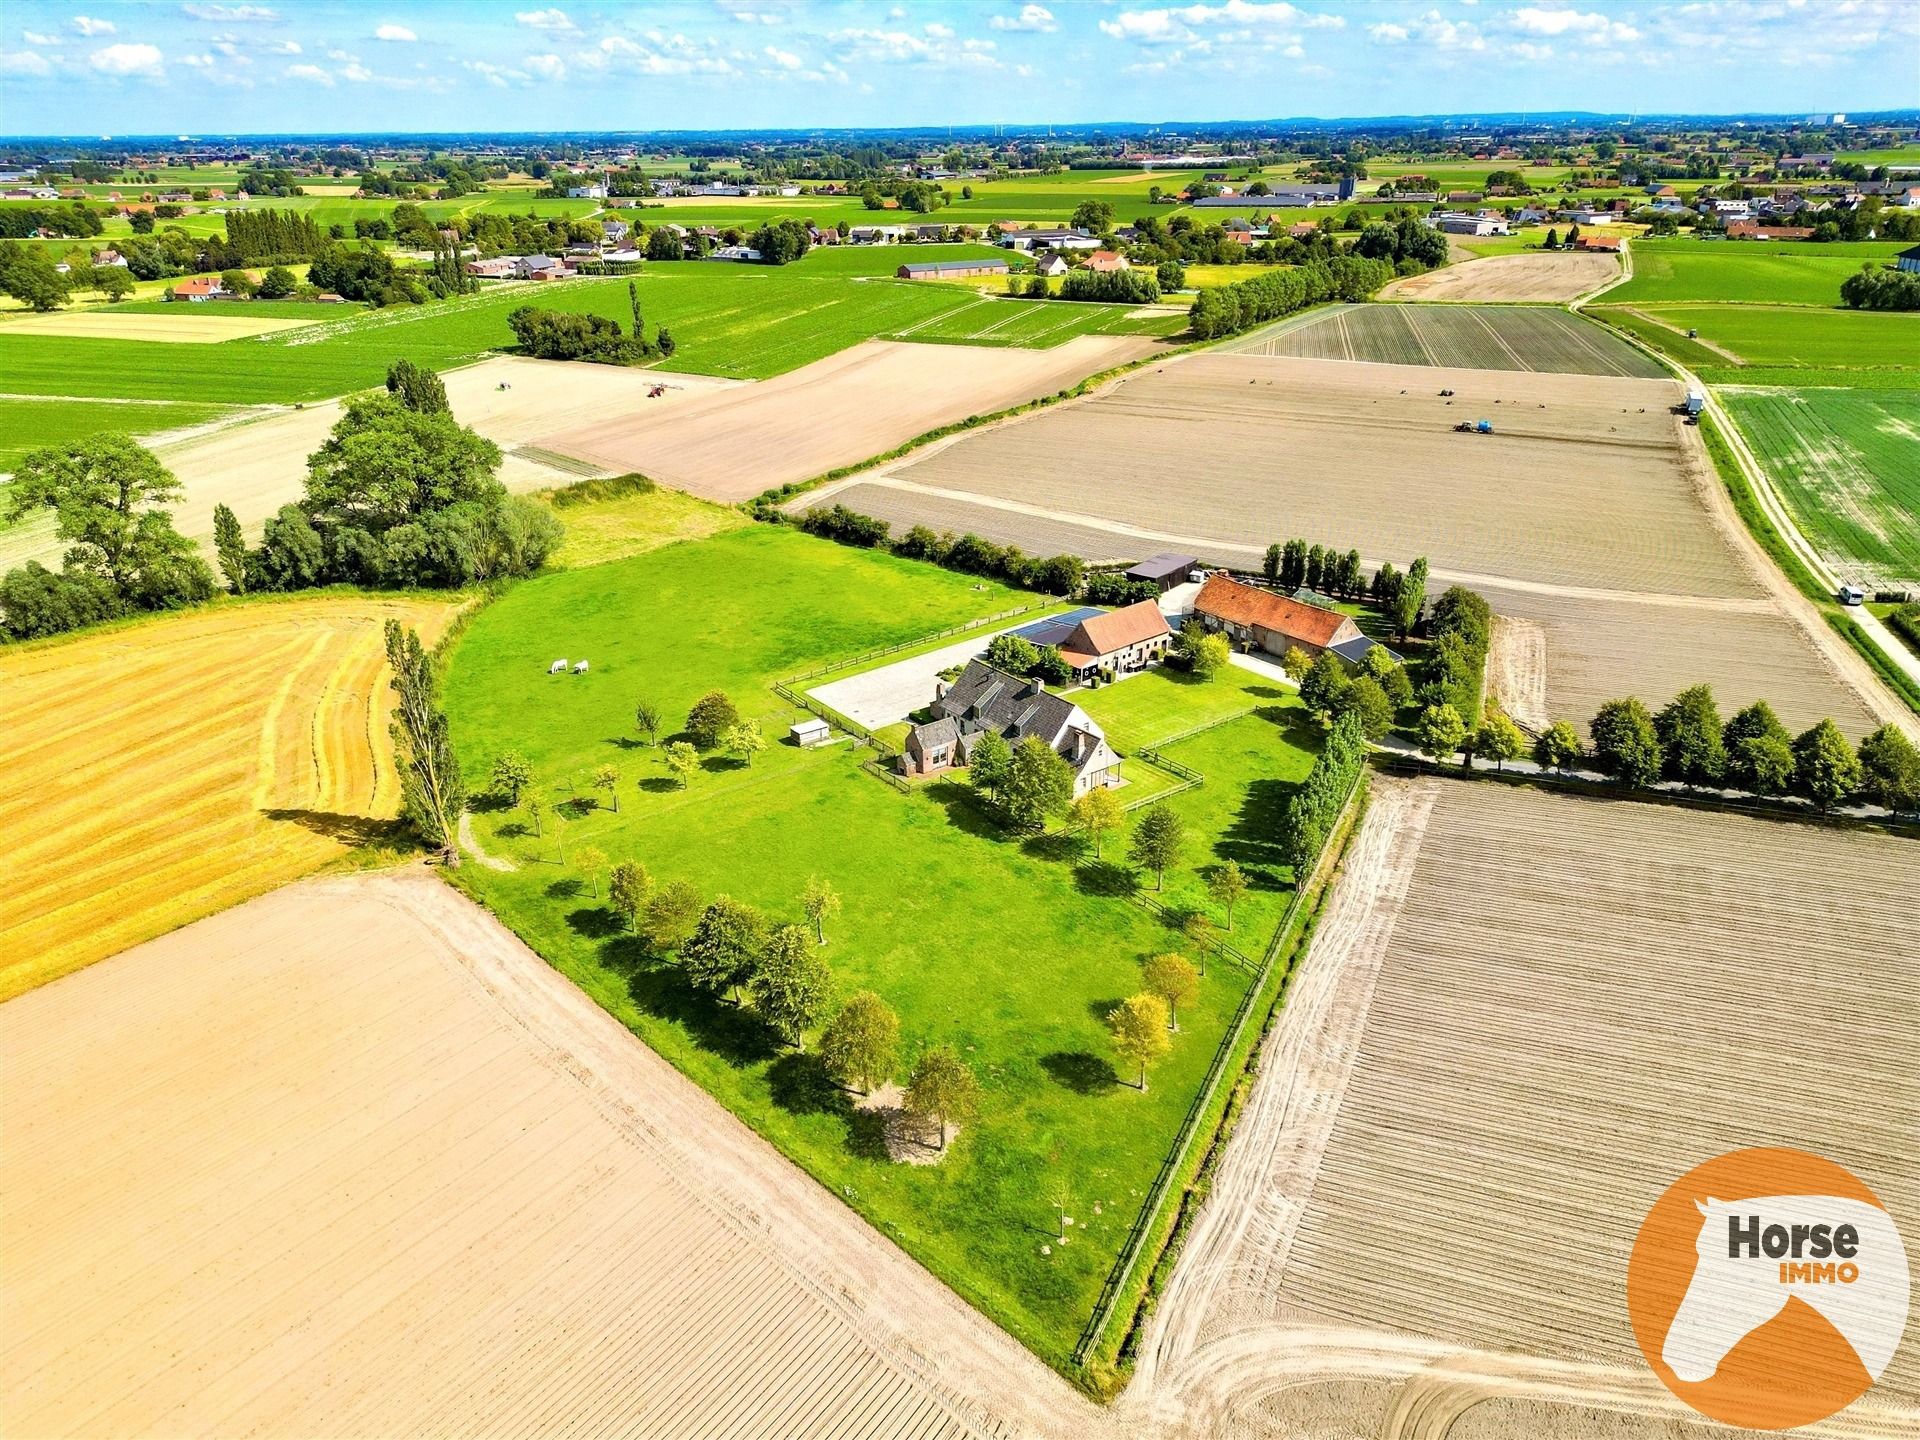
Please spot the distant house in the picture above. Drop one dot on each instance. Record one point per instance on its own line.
(1165, 570)
(502, 267)
(1050, 263)
(1118, 642)
(1106, 262)
(614, 230)
(1908, 260)
(876, 234)
(541, 267)
(951, 269)
(594, 191)
(1051, 240)
(1608, 243)
(1273, 623)
(199, 288)
(1456, 223)
(1589, 217)
(1748, 230)
(104, 258)
(989, 701)
(1303, 230)
(738, 252)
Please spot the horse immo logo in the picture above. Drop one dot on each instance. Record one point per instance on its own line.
(1768, 1288)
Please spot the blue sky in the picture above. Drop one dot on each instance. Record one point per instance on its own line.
(210, 68)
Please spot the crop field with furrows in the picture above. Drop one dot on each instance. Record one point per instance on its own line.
(350, 1160)
(904, 508)
(163, 770)
(1031, 324)
(1472, 337)
(1848, 463)
(1497, 1142)
(1586, 481)
(1600, 647)
(1534, 275)
(1668, 272)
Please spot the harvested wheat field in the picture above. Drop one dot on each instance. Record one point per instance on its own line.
(1474, 337)
(858, 403)
(1586, 481)
(1428, 1205)
(351, 1161)
(188, 324)
(1557, 275)
(164, 770)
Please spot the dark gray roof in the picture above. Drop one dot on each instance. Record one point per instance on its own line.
(984, 698)
(1158, 567)
(1356, 650)
(933, 734)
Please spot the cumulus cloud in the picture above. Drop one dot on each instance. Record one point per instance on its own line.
(359, 74)
(89, 26)
(126, 59)
(287, 47)
(783, 59)
(23, 63)
(550, 19)
(1432, 30)
(1592, 26)
(936, 45)
(34, 37)
(399, 34)
(1180, 23)
(235, 14)
(1387, 33)
(1033, 18)
(312, 74)
(547, 67)
(661, 54)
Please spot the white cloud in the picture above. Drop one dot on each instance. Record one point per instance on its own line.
(313, 74)
(1594, 27)
(1387, 33)
(239, 14)
(784, 59)
(1432, 30)
(287, 47)
(547, 67)
(1527, 50)
(340, 55)
(125, 59)
(23, 62)
(1179, 24)
(756, 17)
(661, 55)
(89, 26)
(551, 19)
(1034, 18)
(359, 74)
(34, 37)
(399, 34)
(937, 45)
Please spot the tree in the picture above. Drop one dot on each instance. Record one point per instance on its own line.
(724, 949)
(1296, 662)
(277, 283)
(1692, 749)
(1442, 731)
(818, 901)
(992, 763)
(231, 546)
(511, 776)
(1157, 841)
(646, 719)
(682, 760)
(1206, 652)
(386, 464)
(1323, 685)
(417, 388)
(113, 282)
(1270, 566)
(432, 792)
(106, 494)
(627, 889)
(1174, 980)
(1409, 598)
(1228, 886)
(1825, 769)
(560, 823)
(591, 860)
(664, 343)
(607, 778)
(633, 304)
(1625, 744)
(1759, 751)
(672, 912)
(1139, 1026)
(1093, 215)
(1200, 933)
(1890, 770)
(1097, 812)
(1364, 698)
(1039, 784)
(1012, 653)
(861, 1043)
(713, 714)
(942, 1088)
(791, 984)
(1499, 739)
(536, 809)
(1557, 747)
(743, 739)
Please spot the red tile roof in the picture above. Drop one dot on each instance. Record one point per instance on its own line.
(1224, 598)
(198, 285)
(1100, 635)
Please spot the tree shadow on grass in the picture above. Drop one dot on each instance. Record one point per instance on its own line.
(626, 742)
(1080, 1072)
(799, 1084)
(1101, 1009)
(1106, 877)
(346, 829)
(595, 922)
(736, 1036)
(659, 784)
(1251, 839)
(490, 802)
(578, 807)
(566, 889)
(966, 812)
(721, 764)
(1055, 845)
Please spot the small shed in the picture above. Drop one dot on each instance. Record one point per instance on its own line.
(810, 731)
(1165, 570)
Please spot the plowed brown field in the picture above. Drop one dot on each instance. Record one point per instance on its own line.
(166, 770)
(1561, 275)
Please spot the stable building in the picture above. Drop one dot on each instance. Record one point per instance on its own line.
(951, 269)
(1117, 642)
(1265, 620)
(1165, 570)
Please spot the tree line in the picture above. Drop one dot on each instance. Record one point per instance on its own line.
(1054, 575)
(1881, 288)
(1314, 808)
(1229, 309)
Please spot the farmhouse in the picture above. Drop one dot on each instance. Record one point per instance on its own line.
(501, 267)
(1107, 261)
(1453, 222)
(1274, 623)
(1748, 230)
(1608, 243)
(987, 700)
(199, 289)
(951, 269)
(1165, 570)
(1118, 642)
(1050, 263)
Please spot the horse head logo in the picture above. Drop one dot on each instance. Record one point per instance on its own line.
(1842, 1257)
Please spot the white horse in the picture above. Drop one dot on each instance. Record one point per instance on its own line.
(1737, 1288)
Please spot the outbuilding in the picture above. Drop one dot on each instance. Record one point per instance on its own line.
(1165, 570)
(951, 269)
(810, 732)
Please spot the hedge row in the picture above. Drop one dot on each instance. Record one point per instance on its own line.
(1461, 631)
(1315, 806)
(1053, 574)
(1229, 309)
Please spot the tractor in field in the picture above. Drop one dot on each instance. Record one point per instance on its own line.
(1474, 427)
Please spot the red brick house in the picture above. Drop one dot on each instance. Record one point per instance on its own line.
(1119, 641)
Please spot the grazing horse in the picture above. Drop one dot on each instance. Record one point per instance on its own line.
(1756, 1255)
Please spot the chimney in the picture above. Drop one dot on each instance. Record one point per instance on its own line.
(1039, 686)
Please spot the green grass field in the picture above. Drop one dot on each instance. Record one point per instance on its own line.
(1780, 273)
(28, 424)
(1035, 324)
(1848, 463)
(1869, 348)
(1009, 950)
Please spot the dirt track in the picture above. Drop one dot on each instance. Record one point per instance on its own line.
(862, 402)
(1557, 276)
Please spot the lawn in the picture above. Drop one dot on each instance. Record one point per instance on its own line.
(1792, 337)
(1009, 950)
(1779, 273)
(28, 424)
(1848, 462)
(1036, 324)
(632, 523)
